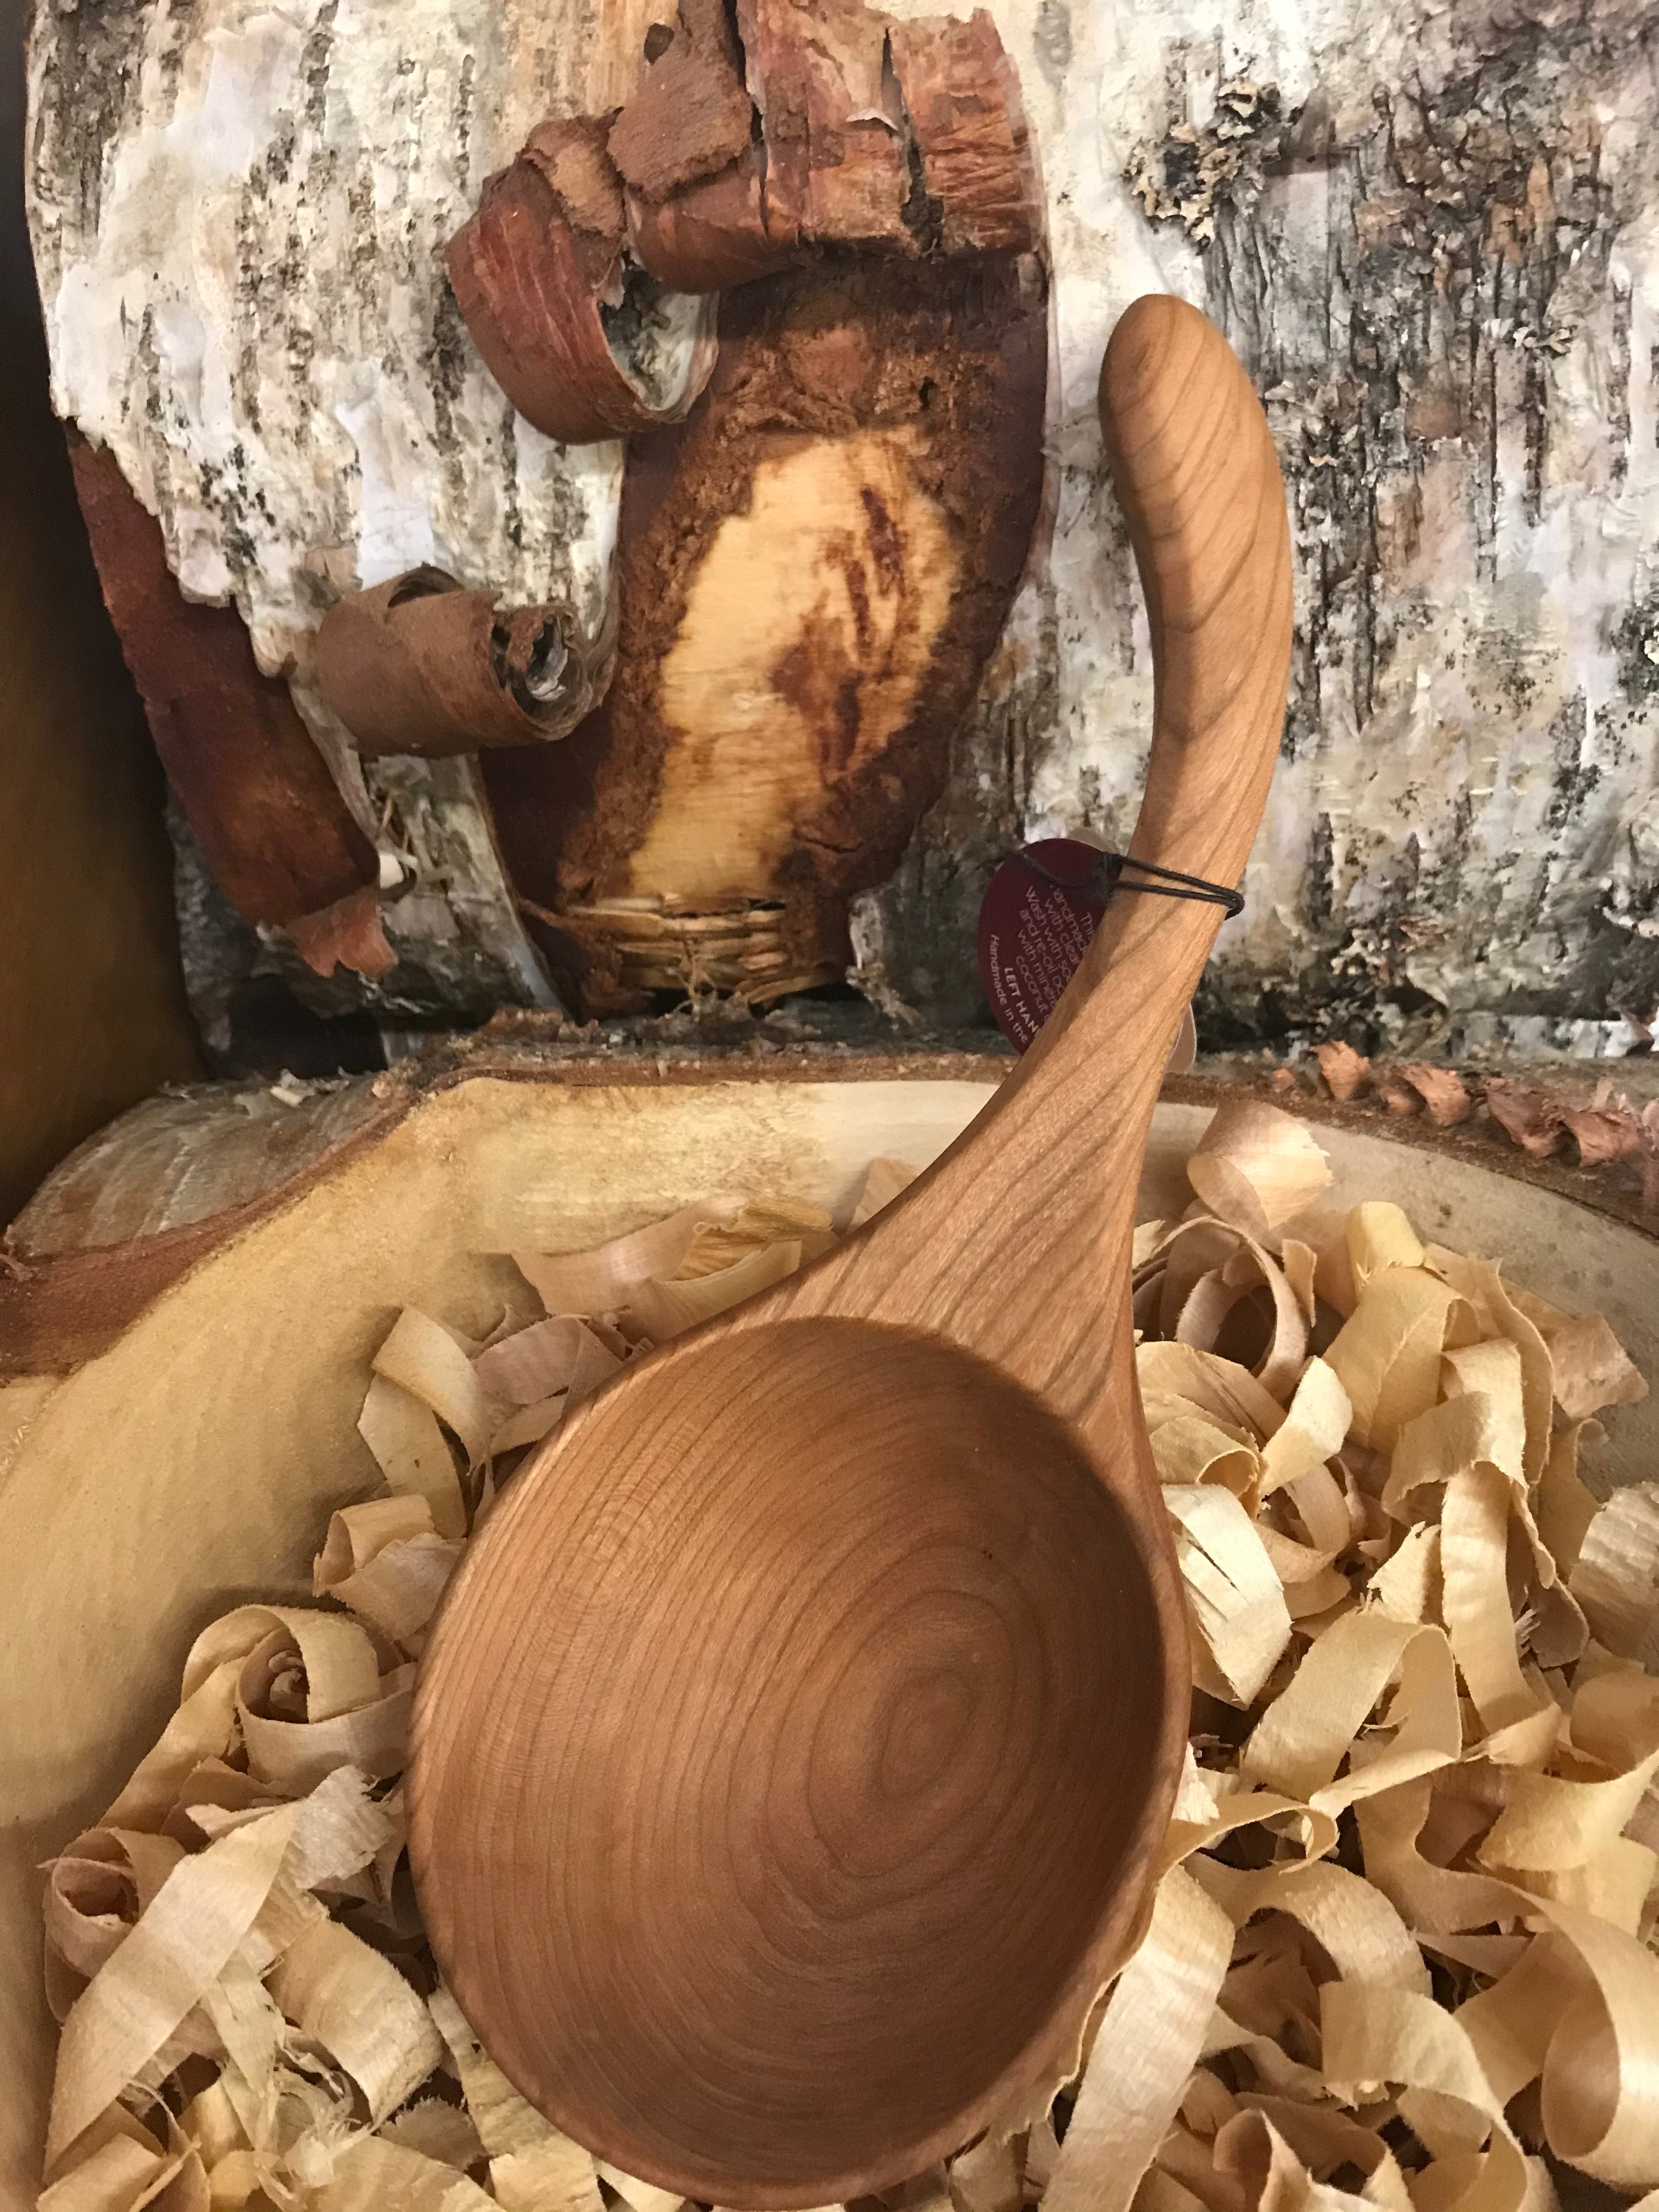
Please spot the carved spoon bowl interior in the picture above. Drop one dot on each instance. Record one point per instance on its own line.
(792, 1753)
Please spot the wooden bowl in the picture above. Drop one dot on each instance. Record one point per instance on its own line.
(178, 1401)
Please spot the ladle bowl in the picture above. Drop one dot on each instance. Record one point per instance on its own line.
(792, 1753)
(859, 1752)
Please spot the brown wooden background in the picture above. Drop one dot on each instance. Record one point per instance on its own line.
(92, 1008)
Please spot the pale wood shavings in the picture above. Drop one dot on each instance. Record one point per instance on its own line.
(1590, 1369)
(599, 1281)
(1256, 1168)
(1616, 1575)
(720, 1244)
(1399, 1935)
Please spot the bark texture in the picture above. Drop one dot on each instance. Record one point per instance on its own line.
(258, 795)
(1431, 231)
(239, 217)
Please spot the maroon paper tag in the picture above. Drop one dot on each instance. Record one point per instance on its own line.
(1032, 934)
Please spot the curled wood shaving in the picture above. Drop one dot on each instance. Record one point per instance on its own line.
(1347, 1073)
(1615, 1577)
(420, 664)
(1531, 1118)
(1399, 1954)
(1441, 1090)
(1254, 1168)
(1602, 1134)
(584, 343)
(1400, 1096)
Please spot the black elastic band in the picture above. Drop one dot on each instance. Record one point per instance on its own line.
(1107, 876)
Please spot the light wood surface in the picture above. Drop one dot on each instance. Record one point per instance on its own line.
(784, 677)
(791, 1753)
(812, 576)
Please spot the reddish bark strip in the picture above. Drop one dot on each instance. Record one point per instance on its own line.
(276, 832)
(531, 271)
(962, 96)
(418, 664)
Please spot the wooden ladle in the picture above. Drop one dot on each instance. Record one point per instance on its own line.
(793, 1750)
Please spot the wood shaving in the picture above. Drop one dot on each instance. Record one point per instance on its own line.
(1602, 1135)
(1531, 1118)
(1400, 1096)
(1400, 1953)
(1441, 1090)
(1347, 1073)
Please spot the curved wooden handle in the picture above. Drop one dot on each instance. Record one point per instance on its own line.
(1016, 1240)
(1194, 465)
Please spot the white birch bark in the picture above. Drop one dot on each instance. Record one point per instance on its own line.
(1432, 230)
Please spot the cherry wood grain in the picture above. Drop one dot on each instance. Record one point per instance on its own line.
(790, 1753)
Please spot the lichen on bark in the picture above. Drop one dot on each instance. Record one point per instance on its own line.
(1435, 246)
(1432, 234)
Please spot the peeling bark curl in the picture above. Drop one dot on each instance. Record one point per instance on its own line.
(585, 347)
(420, 665)
(277, 834)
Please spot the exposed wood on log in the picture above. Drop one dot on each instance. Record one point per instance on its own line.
(187, 1182)
(584, 348)
(421, 665)
(164, 1188)
(276, 831)
(812, 575)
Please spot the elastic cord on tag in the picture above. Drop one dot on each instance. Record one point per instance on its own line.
(1107, 875)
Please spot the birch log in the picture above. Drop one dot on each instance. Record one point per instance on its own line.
(239, 217)
(1431, 231)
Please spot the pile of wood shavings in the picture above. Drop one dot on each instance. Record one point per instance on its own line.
(1402, 1940)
